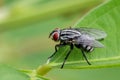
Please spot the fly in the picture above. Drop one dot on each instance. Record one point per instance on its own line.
(85, 39)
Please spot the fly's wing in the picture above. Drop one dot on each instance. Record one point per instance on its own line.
(96, 33)
(92, 43)
(86, 40)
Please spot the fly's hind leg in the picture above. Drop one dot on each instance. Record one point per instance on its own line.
(85, 57)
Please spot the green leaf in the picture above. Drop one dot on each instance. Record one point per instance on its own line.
(8, 73)
(105, 17)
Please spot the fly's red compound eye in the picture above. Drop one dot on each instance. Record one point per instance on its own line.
(55, 36)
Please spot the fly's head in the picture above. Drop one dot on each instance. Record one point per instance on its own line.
(55, 34)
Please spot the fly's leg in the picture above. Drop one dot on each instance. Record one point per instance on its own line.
(56, 46)
(71, 48)
(85, 57)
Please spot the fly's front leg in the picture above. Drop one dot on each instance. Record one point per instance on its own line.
(56, 46)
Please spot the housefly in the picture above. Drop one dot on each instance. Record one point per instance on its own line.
(85, 39)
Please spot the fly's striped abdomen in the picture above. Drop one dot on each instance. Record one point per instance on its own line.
(87, 48)
(67, 34)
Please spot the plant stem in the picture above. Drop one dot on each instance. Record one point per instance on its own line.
(44, 69)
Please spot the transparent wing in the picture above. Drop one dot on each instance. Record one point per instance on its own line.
(86, 40)
(96, 33)
(92, 43)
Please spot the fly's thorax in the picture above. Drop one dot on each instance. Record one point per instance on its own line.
(68, 34)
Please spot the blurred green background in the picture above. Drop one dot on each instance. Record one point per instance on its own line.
(24, 29)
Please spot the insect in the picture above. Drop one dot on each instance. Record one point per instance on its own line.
(85, 39)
